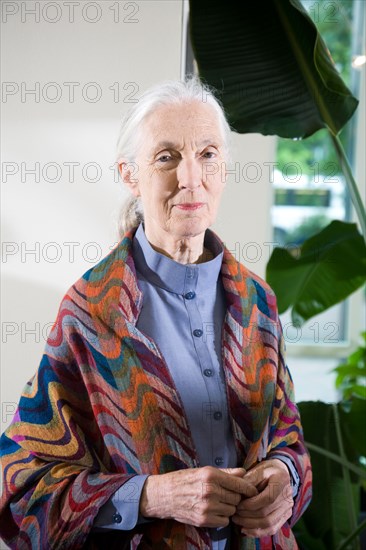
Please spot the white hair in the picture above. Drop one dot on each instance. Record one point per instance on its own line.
(165, 93)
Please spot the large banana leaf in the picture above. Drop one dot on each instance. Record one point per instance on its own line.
(325, 270)
(273, 72)
(274, 75)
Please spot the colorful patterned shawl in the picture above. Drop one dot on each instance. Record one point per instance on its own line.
(102, 406)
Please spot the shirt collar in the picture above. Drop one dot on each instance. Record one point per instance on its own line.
(166, 273)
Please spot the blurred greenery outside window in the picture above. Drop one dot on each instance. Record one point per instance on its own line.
(309, 188)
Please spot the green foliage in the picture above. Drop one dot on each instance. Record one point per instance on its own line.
(331, 432)
(334, 23)
(351, 375)
(327, 268)
(336, 437)
(274, 75)
(270, 66)
(316, 154)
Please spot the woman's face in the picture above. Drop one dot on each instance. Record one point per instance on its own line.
(180, 170)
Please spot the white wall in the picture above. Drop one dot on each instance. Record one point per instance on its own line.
(244, 221)
(81, 212)
(141, 48)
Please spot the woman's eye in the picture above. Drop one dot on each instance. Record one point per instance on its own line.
(164, 158)
(209, 154)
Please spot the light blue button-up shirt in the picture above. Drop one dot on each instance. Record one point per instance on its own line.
(183, 312)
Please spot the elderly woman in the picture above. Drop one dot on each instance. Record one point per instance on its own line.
(162, 414)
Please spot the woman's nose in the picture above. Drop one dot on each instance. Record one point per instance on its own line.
(189, 173)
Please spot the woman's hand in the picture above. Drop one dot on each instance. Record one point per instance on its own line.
(264, 514)
(203, 497)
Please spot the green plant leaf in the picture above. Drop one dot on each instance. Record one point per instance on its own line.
(344, 545)
(358, 358)
(360, 471)
(326, 522)
(348, 373)
(305, 539)
(351, 375)
(353, 421)
(351, 369)
(355, 390)
(270, 66)
(329, 267)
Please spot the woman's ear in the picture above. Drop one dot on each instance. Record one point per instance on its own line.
(128, 172)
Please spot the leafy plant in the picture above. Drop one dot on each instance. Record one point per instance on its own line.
(273, 72)
(327, 268)
(274, 75)
(316, 154)
(336, 440)
(351, 375)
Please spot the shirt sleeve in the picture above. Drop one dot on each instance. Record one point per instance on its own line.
(121, 511)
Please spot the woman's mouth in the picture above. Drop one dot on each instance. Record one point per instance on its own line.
(190, 205)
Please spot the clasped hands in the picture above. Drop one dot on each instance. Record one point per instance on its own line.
(259, 500)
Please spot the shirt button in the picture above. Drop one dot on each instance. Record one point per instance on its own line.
(198, 332)
(217, 415)
(190, 295)
(219, 461)
(117, 518)
(208, 372)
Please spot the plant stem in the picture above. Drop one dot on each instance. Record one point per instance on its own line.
(354, 534)
(361, 473)
(351, 183)
(346, 477)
